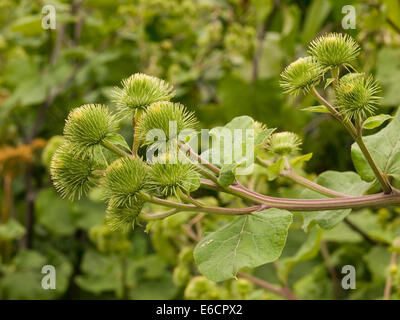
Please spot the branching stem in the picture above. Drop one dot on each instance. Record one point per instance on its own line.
(159, 215)
(208, 209)
(284, 292)
(200, 159)
(378, 173)
(136, 140)
(349, 202)
(289, 173)
(389, 280)
(357, 136)
(115, 149)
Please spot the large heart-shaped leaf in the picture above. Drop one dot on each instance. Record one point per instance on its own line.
(248, 241)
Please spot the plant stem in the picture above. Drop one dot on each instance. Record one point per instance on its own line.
(5, 246)
(266, 202)
(209, 209)
(330, 107)
(184, 149)
(331, 269)
(389, 280)
(349, 202)
(115, 149)
(159, 215)
(378, 173)
(189, 199)
(7, 198)
(237, 189)
(205, 173)
(335, 74)
(201, 160)
(292, 175)
(265, 25)
(289, 173)
(356, 134)
(284, 292)
(330, 193)
(136, 141)
(361, 232)
(347, 124)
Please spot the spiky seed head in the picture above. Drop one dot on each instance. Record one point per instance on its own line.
(168, 177)
(334, 49)
(356, 96)
(284, 143)
(169, 118)
(139, 91)
(301, 75)
(123, 181)
(71, 174)
(88, 126)
(122, 218)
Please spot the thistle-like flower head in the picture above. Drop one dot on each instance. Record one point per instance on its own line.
(123, 181)
(139, 91)
(334, 49)
(88, 126)
(169, 118)
(284, 143)
(356, 96)
(123, 218)
(71, 174)
(301, 75)
(167, 177)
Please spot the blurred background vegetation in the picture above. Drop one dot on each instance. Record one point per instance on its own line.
(224, 58)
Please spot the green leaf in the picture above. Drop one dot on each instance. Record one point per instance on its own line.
(376, 121)
(150, 279)
(261, 137)
(320, 109)
(307, 251)
(118, 140)
(86, 213)
(275, 169)
(262, 9)
(236, 143)
(315, 285)
(317, 12)
(11, 230)
(162, 288)
(248, 241)
(23, 280)
(384, 147)
(100, 273)
(388, 75)
(378, 260)
(227, 175)
(368, 222)
(298, 161)
(28, 26)
(54, 213)
(341, 233)
(346, 182)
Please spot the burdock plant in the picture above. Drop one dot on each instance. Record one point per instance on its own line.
(334, 50)
(283, 143)
(171, 177)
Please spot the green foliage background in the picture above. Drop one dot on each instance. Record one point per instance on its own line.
(224, 58)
